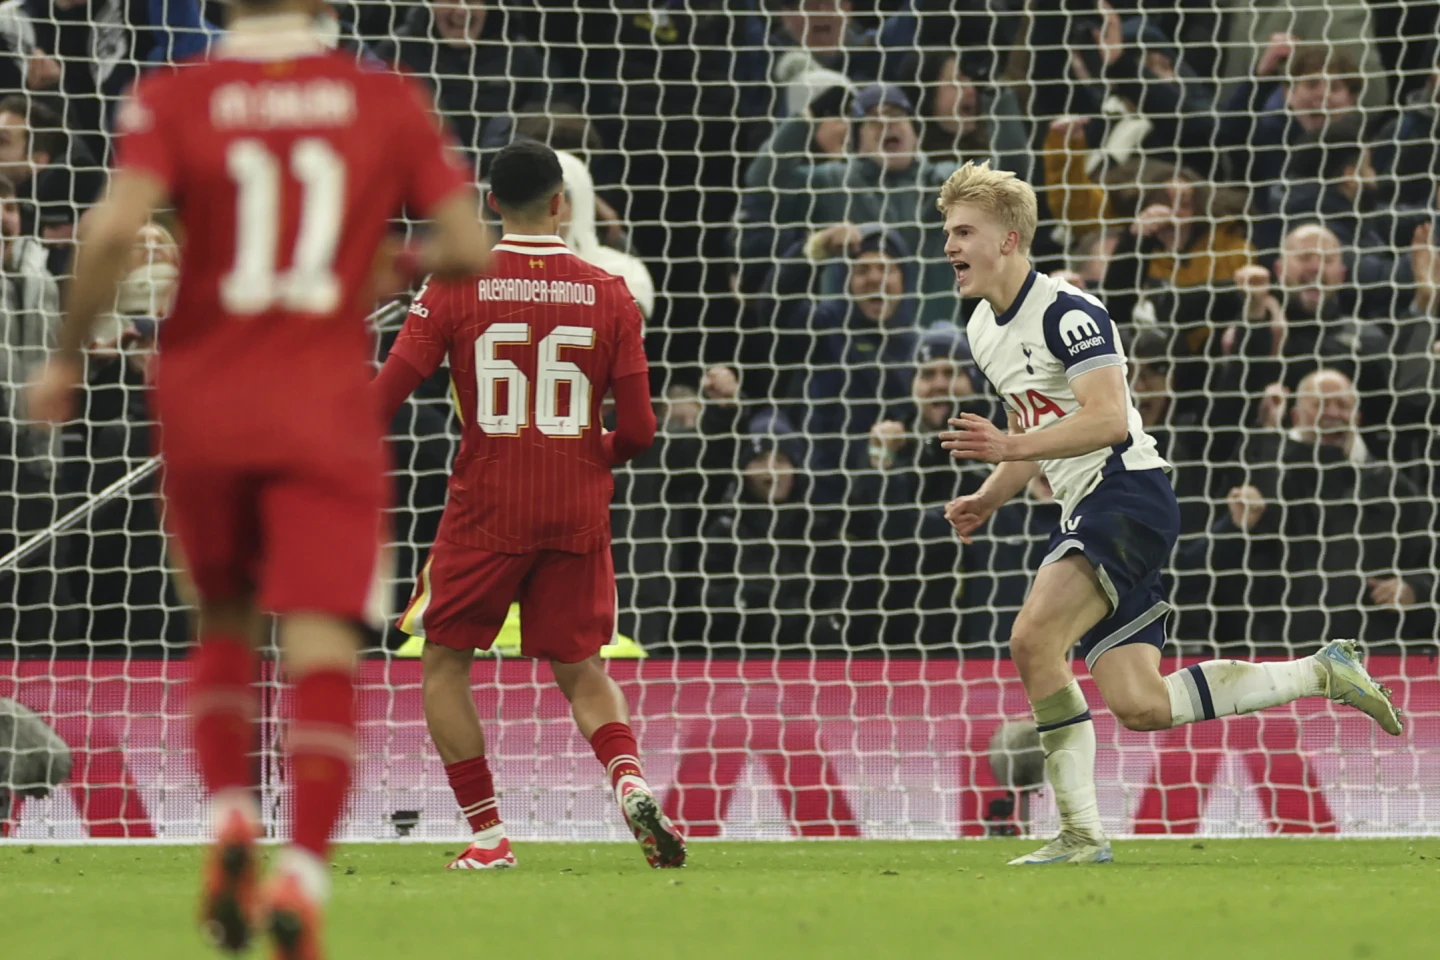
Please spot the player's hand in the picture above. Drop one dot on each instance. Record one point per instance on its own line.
(721, 384)
(1390, 592)
(1282, 44)
(976, 438)
(51, 396)
(1272, 406)
(967, 513)
(1247, 506)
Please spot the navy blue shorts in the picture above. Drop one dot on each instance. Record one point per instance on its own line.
(1127, 529)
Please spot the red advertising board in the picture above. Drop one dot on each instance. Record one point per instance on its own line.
(752, 749)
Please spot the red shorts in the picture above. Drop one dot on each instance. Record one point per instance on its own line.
(567, 600)
(299, 541)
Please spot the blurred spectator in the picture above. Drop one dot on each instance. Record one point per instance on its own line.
(1181, 435)
(757, 552)
(119, 555)
(337, 31)
(1175, 236)
(1268, 116)
(1256, 27)
(816, 45)
(577, 226)
(963, 117)
(904, 554)
(1407, 149)
(29, 321)
(1294, 327)
(756, 236)
(887, 181)
(1322, 540)
(1088, 258)
(90, 51)
(1331, 178)
(855, 348)
(55, 175)
(480, 69)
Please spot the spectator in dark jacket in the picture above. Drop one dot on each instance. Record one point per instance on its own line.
(1268, 118)
(100, 47)
(1322, 541)
(56, 177)
(1407, 148)
(902, 567)
(858, 348)
(481, 71)
(759, 582)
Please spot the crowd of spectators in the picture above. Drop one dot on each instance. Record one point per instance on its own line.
(1250, 187)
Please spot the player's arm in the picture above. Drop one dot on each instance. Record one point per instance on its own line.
(106, 236)
(416, 354)
(457, 245)
(634, 419)
(967, 513)
(629, 383)
(1009, 477)
(1101, 421)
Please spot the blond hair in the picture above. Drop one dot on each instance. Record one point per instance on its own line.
(999, 193)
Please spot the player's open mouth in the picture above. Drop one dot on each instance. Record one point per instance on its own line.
(890, 144)
(962, 272)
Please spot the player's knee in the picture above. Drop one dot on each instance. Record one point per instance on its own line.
(1028, 647)
(1143, 714)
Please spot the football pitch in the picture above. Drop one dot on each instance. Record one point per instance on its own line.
(1270, 899)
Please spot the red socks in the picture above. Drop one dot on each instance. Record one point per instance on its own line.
(475, 792)
(615, 747)
(321, 743)
(222, 711)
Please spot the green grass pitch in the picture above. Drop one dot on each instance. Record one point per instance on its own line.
(1171, 900)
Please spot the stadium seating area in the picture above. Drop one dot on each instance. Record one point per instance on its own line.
(1250, 187)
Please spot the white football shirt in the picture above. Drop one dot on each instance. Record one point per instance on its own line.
(1053, 333)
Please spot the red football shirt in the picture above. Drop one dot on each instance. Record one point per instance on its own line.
(533, 348)
(285, 163)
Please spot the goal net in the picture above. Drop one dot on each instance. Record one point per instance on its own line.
(808, 649)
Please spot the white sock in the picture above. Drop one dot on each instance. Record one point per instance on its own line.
(312, 872)
(490, 837)
(1220, 688)
(226, 802)
(1067, 735)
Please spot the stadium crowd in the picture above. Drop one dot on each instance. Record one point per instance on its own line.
(1248, 187)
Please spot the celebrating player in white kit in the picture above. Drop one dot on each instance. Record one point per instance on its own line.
(1052, 352)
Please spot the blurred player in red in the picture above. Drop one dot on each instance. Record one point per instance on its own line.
(533, 348)
(284, 163)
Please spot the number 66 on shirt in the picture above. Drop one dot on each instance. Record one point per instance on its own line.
(533, 346)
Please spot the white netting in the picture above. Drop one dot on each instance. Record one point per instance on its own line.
(822, 657)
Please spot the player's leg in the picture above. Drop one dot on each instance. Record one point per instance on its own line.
(1066, 600)
(455, 728)
(1141, 698)
(567, 614)
(322, 574)
(460, 603)
(210, 515)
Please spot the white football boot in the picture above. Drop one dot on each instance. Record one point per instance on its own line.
(1347, 681)
(1072, 846)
